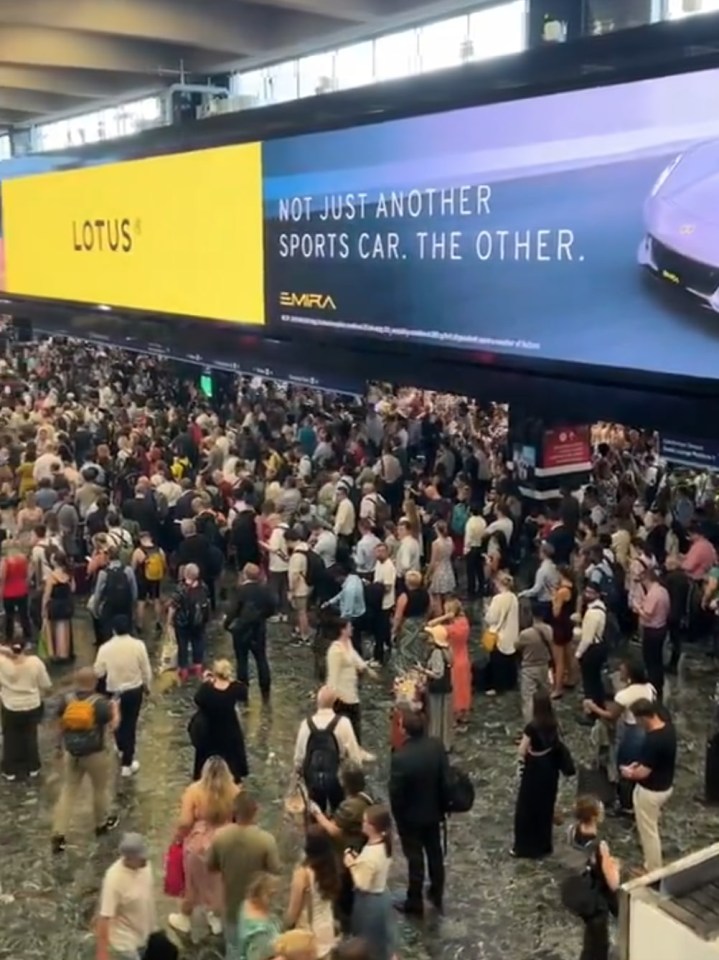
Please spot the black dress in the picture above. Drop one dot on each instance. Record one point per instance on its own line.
(216, 728)
(537, 795)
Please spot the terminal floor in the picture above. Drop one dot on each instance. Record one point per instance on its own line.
(496, 908)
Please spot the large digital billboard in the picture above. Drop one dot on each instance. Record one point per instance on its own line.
(178, 234)
(580, 227)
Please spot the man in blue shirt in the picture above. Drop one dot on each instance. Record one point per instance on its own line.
(365, 551)
(351, 603)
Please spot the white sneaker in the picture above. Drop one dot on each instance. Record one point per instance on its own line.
(135, 766)
(126, 772)
(179, 922)
(214, 923)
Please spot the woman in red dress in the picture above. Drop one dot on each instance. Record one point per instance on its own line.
(457, 624)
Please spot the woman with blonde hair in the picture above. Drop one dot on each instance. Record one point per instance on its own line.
(215, 729)
(502, 626)
(257, 932)
(456, 623)
(440, 573)
(316, 885)
(28, 517)
(206, 806)
(410, 613)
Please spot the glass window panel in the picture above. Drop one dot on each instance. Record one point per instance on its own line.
(499, 30)
(354, 65)
(440, 44)
(5, 151)
(676, 9)
(313, 71)
(396, 55)
(250, 84)
(281, 82)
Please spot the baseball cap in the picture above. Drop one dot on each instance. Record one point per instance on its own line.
(134, 845)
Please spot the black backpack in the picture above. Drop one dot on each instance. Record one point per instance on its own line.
(196, 606)
(459, 792)
(581, 891)
(117, 593)
(320, 770)
(316, 570)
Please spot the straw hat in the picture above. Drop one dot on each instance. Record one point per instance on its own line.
(438, 635)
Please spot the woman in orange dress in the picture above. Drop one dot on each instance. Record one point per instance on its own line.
(457, 625)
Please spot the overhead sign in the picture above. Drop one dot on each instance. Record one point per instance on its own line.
(178, 234)
(577, 227)
(566, 450)
(690, 452)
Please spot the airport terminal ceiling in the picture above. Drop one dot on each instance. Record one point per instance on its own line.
(59, 57)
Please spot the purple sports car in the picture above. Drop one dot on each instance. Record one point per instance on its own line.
(681, 217)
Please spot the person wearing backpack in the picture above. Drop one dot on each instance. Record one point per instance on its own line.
(115, 594)
(84, 716)
(592, 649)
(189, 613)
(589, 890)
(325, 741)
(149, 564)
(300, 582)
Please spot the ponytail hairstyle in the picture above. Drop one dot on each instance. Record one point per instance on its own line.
(380, 819)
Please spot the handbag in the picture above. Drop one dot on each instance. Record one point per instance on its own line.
(174, 884)
(490, 639)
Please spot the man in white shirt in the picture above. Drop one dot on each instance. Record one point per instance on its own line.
(124, 665)
(127, 916)
(409, 555)
(365, 555)
(324, 543)
(345, 518)
(348, 749)
(474, 532)
(386, 574)
(299, 587)
(592, 649)
(278, 564)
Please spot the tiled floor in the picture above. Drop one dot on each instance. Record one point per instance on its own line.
(496, 908)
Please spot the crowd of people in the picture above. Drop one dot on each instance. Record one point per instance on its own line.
(380, 532)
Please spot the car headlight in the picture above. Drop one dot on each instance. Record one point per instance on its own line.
(665, 174)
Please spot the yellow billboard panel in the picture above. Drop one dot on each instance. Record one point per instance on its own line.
(175, 234)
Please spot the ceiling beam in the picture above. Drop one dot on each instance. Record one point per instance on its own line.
(31, 101)
(352, 11)
(219, 25)
(83, 84)
(9, 118)
(27, 46)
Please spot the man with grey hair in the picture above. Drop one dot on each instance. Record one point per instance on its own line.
(189, 612)
(195, 548)
(126, 917)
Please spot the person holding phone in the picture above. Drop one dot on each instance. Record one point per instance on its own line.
(372, 912)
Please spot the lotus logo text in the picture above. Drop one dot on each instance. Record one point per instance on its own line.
(307, 301)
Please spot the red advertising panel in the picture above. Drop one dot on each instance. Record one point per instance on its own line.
(567, 449)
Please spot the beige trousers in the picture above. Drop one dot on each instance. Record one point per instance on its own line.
(97, 767)
(647, 810)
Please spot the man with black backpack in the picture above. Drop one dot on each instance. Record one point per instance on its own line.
(306, 572)
(325, 741)
(189, 613)
(115, 594)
